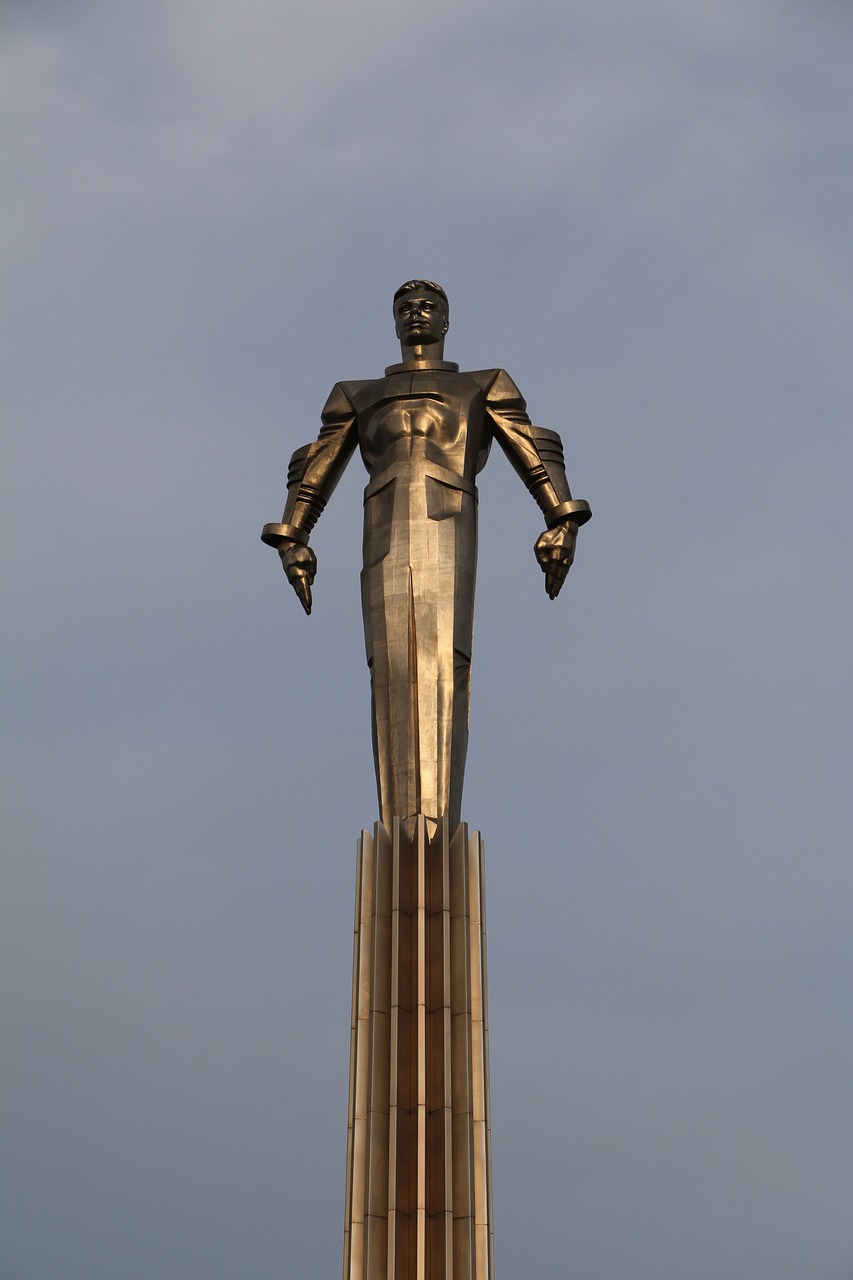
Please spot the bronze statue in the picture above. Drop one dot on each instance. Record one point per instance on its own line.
(424, 432)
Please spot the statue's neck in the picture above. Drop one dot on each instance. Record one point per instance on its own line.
(422, 356)
(411, 366)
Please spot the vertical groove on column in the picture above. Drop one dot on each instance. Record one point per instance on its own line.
(479, 1059)
(402, 1255)
(378, 1064)
(418, 1196)
(441, 966)
(420, 984)
(354, 1226)
(464, 1255)
(396, 1038)
(480, 1065)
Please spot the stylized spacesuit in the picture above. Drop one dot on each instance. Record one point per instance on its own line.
(424, 431)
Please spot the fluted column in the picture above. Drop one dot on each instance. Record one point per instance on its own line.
(418, 1198)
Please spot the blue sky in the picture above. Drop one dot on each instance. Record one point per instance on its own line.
(641, 210)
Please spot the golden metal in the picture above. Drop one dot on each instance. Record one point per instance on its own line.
(418, 1200)
(424, 431)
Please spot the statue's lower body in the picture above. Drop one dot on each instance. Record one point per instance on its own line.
(420, 555)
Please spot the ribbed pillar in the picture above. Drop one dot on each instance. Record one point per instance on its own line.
(418, 1198)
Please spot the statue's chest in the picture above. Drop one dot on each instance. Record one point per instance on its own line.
(432, 417)
(442, 408)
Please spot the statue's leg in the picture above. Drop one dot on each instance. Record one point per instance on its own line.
(444, 594)
(392, 641)
(418, 604)
(375, 600)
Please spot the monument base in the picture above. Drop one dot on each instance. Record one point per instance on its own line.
(418, 1197)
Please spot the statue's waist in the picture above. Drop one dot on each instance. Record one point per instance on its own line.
(412, 461)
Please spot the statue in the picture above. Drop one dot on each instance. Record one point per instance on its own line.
(424, 431)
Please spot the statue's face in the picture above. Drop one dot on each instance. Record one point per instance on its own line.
(420, 317)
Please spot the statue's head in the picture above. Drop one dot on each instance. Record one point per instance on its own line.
(421, 312)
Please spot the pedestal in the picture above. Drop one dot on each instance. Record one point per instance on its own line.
(418, 1198)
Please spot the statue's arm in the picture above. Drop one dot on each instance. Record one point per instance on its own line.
(536, 454)
(314, 471)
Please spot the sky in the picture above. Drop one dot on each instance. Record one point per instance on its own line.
(640, 208)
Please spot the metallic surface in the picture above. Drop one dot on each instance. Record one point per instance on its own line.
(424, 431)
(418, 1200)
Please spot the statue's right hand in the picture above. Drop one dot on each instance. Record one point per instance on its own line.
(300, 565)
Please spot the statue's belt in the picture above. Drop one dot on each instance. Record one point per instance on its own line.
(412, 471)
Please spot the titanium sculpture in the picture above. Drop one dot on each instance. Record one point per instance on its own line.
(418, 1199)
(424, 432)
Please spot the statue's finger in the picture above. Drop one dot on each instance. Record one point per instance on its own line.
(302, 587)
(556, 577)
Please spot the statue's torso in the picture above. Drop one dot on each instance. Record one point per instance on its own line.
(441, 406)
(423, 436)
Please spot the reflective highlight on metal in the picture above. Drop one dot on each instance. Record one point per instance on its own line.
(418, 1200)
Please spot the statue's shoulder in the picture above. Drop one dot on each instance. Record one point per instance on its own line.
(498, 386)
(483, 377)
(353, 389)
(342, 400)
(364, 392)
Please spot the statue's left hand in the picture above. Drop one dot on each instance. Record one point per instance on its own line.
(555, 551)
(300, 565)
